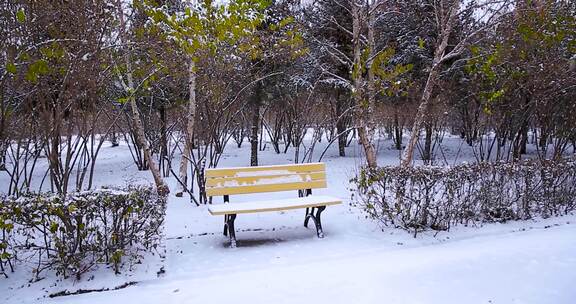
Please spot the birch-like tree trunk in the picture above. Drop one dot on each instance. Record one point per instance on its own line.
(161, 186)
(446, 25)
(363, 104)
(189, 137)
(3, 140)
(130, 88)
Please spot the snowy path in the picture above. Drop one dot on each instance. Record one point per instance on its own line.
(537, 266)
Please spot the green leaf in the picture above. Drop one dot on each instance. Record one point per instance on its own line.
(421, 43)
(31, 76)
(37, 68)
(21, 16)
(72, 208)
(117, 256)
(53, 227)
(475, 50)
(11, 68)
(8, 227)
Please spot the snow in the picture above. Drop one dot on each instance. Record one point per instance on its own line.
(281, 180)
(289, 203)
(265, 181)
(279, 261)
(507, 268)
(262, 173)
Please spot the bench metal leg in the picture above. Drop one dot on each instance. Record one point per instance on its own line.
(307, 217)
(230, 225)
(302, 193)
(316, 219)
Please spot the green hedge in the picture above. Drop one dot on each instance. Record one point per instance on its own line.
(420, 198)
(74, 234)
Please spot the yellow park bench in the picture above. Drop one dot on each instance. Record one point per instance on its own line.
(244, 180)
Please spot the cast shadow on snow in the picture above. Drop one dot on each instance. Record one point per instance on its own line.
(272, 237)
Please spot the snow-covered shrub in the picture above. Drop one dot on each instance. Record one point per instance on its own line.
(74, 234)
(6, 235)
(419, 198)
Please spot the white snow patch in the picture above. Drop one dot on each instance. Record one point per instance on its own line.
(280, 261)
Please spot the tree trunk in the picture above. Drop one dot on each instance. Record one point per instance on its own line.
(397, 132)
(445, 31)
(164, 140)
(520, 142)
(364, 105)
(54, 159)
(427, 155)
(3, 141)
(3, 149)
(543, 140)
(256, 104)
(262, 145)
(161, 187)
(420, 117)
(189, 137)
(114, 139)
(340, 125)
(369, 127)
(524, 139)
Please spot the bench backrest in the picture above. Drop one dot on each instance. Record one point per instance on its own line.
(243, 180)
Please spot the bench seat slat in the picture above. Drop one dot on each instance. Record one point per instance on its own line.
(271, 179)
(274, 169)
(274, 205)
(265, 188)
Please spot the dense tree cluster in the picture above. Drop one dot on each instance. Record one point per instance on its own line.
(183, 78)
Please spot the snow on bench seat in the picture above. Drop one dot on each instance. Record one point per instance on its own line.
(263, 179)
(274, 205)
(245, 180)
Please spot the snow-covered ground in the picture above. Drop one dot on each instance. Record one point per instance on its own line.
(280, 261)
